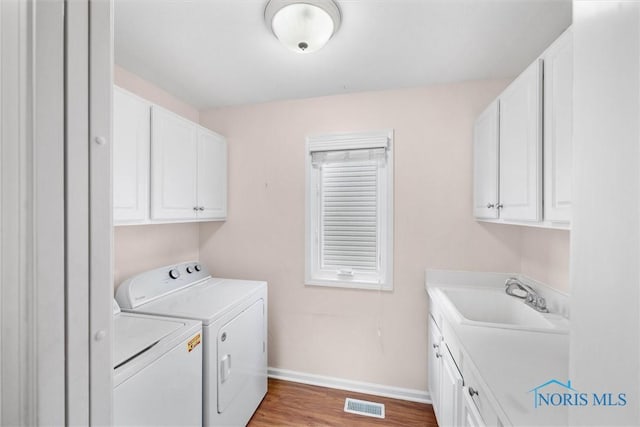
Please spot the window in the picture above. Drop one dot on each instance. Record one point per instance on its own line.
(349, 208)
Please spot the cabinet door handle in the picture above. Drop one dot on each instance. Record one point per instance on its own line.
(490, 205)
(201, 208)
(435, 345)
(195, 208)
(472, 392)
(499, 206)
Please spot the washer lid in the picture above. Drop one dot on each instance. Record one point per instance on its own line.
(134, 335)
(204, 301)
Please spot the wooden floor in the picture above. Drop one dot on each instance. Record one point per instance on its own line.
(293, 404)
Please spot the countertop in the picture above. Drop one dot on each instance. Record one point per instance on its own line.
(511, 362)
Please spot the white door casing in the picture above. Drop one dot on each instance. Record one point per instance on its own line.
(55, 208)
(100, 210)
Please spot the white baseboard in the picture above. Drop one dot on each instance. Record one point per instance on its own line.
(411, 395)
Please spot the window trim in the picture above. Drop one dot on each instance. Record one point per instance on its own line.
(350, 141)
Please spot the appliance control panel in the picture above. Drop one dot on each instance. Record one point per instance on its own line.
(153, 284)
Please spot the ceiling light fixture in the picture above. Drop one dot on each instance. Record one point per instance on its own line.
(303, 26)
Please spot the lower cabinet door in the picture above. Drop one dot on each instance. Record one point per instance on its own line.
(434, 367)
(451, 390)
(470, 415)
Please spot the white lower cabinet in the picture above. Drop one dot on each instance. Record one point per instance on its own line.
(434, 365)
(457, 396)
(470, 415)
(445, 380)
(450, 391)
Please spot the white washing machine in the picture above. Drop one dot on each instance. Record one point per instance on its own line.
(157, 370)
(234, 326)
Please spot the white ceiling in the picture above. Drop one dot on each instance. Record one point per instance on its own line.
(213, 53)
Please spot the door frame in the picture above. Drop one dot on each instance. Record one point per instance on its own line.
(55, 212)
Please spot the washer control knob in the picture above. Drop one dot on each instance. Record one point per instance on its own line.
(197, 267)
(189, 269)
(174, 273)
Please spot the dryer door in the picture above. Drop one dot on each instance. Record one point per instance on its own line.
(241, 357)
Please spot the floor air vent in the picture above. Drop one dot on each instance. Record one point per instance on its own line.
(362, 407)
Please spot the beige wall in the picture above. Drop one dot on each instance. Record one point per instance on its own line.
(143, 247)
(141, 87)
(139, 248)
(358, 335)
(545, 256)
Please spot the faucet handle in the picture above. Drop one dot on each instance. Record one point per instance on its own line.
(511, 281)
(541, 303)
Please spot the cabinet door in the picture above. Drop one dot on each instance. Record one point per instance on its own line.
(558, 129)
(521, 147)
(212, 175)
(450, 391)
(485, 163)
(470, 415)
(130, 158)
(434, 369)
(174, 162)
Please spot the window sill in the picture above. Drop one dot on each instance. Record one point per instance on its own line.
(350, 285)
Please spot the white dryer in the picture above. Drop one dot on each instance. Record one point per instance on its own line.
(157, 370)
(234, 324)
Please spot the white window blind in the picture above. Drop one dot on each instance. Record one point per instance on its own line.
(349, 211)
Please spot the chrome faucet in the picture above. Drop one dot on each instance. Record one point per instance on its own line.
(514, 287)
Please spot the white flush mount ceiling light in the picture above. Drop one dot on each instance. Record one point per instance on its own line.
(303, 26)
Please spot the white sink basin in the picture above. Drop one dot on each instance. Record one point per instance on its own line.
(494, 308)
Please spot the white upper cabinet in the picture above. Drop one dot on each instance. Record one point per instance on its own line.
(485, 163)
(188, 170)
(528, 129)
(558, 130)
(521, 147)
(212, 175)
(174, 162)
(130, 158)
(165, 167)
